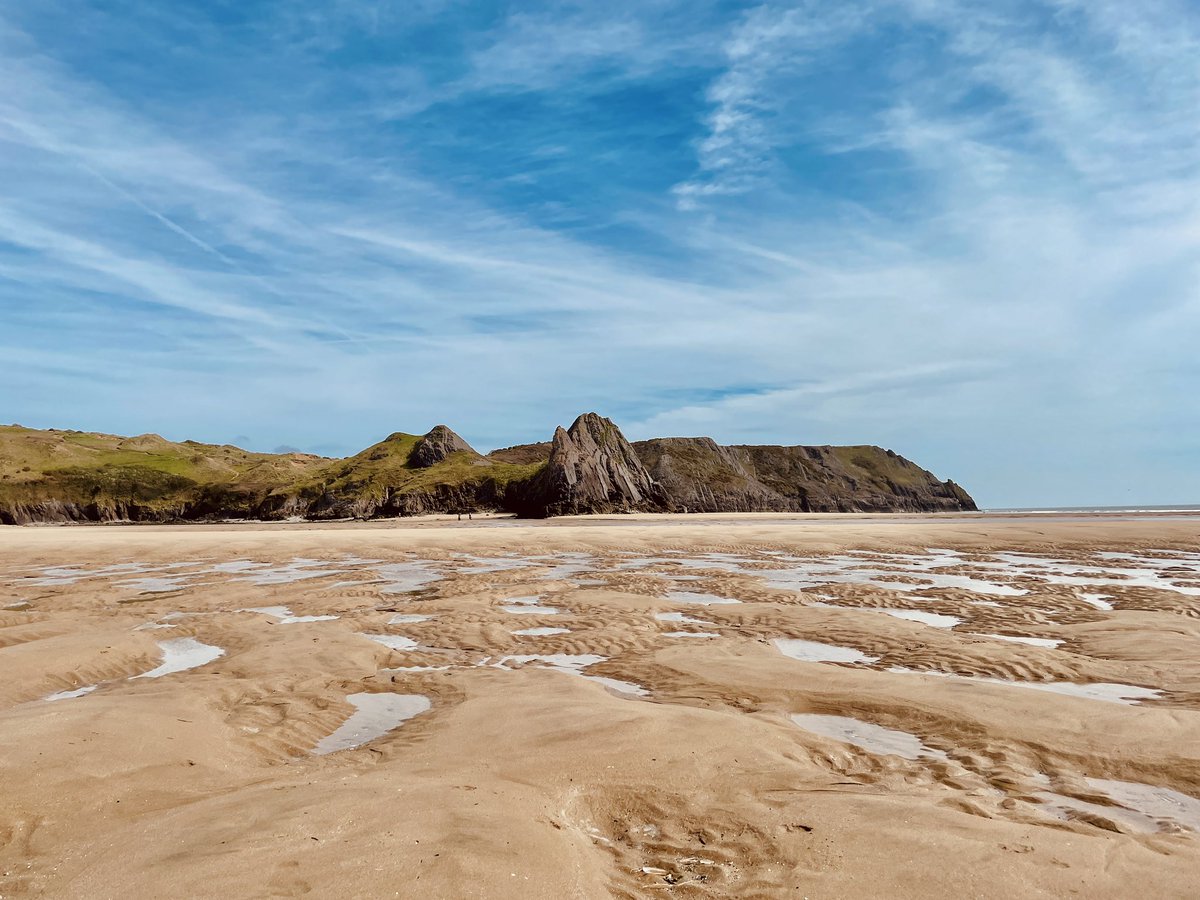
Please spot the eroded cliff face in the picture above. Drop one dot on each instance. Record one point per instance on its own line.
(700, 475)
(438, 445)
(851, 479)
(591, 469)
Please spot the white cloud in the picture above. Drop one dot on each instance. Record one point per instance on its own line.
(767, 45)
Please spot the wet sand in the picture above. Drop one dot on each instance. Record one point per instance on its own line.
(700, 706)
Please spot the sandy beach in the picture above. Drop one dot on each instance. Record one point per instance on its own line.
(642, 706)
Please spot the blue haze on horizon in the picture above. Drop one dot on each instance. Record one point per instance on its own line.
(970, 233)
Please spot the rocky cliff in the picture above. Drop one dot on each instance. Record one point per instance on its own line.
(700, 475)
(591, 469)
(438, 445)
(71, 476)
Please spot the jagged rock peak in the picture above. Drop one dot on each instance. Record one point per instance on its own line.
(592, 469)
(437, 445)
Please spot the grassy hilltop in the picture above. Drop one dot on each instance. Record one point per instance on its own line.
(78, 475)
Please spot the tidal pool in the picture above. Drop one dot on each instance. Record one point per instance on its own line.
(393, 641)
(182, 654)
(814, 651)
(680, 617)
(699, 598)
(868, 736)
(1141, 808)
(571, 664)
(67, 695)
(1050, 643)
(935, 620)
(541, 632)
(1109, 692)
(285, 616)
(374, 716)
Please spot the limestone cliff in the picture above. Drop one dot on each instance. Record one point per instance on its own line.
(699, 475)
(439, 444)
(591, 469)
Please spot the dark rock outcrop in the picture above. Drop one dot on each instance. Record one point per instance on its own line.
(591, 469)
(436, 446)
(700, 475)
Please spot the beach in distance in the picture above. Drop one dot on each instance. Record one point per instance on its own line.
(735, 705)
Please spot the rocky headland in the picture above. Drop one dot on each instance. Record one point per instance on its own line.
(72, 476)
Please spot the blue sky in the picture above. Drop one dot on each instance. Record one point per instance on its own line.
(967, 232)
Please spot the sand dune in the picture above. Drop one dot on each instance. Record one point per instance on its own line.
(494, 709)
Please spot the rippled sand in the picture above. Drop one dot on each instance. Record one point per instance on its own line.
(494, 709)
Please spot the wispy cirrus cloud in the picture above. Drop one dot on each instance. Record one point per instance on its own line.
(745, 125)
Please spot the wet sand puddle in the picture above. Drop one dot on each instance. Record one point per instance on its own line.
(486, 565)
(408, 619)
(1152, 573)
(67, 695)
(285, 615)
(680, 617)
(568, 664)
(54, 576)
(178, 655)
(1049, 643)
(529, 606)
(567, 566)
(917, 572)
(299, 569)
(393, 641)
(181, 654)
(935, 620)
(406, 577)
(1140, 808)
(814, 651)
(1125, 694)
(157, 584)
(870, 737)
(541, 632)
(374, 716)
(817, 652)
(700, 599)
(1100, 601)
(900, 572)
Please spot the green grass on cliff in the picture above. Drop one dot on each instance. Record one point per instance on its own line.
(386, 465)
(880, 466)
(26, 453)
(86, 467)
